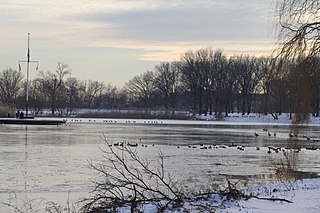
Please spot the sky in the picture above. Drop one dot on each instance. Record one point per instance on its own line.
(114, 40)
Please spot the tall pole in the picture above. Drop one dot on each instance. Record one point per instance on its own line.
(27, 79)
(27, 83)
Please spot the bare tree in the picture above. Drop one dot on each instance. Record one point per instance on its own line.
(111, 97)
(197, 76)
(218, 82)
(73, 101)
(38, 98)
(10, 86)
(206, 69)
(315, 86)
(267, 67)
(299, 36)
(299, 27)
(248, 80)
(52, 83)
(229, 85)
(191, 79)
(142, 87)
(167, 82)
(94, 91)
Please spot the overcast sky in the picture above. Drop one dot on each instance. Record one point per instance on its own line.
(114, 40)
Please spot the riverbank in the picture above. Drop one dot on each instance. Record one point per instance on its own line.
(294, 196)
(284, 118)
(232, 119)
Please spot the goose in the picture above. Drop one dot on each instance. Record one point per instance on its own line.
(133, 145)
(256, 134)
(240, 148)
(232, 145)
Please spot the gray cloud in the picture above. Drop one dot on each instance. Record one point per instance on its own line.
(230, 20)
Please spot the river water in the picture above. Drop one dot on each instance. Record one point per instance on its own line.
(51, 163)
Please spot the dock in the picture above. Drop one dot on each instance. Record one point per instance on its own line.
(32, 121)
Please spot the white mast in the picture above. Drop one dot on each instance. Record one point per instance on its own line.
(27, 79)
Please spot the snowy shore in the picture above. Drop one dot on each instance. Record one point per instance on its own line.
(293, 196)
(303, 196)
(239, 119)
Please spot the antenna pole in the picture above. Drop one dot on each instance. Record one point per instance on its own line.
(27, 83)
(27, 79)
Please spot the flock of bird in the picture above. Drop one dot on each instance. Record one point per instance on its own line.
(221, 146)
(201, 146)
(290, 136)
(114, 121)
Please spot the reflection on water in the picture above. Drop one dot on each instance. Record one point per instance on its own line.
(26, 159)
(48, 161)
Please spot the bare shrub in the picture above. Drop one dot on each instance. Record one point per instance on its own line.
(23, 205)
(130, 181)
(232, 192)
(28, 205)
(286, 166)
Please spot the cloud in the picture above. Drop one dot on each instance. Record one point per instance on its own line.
(143, 21)
(190, 22)
(168, 29)
(114, 36)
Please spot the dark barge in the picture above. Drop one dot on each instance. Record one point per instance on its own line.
(31, 121)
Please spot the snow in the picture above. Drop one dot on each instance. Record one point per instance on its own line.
(304, 195)
(239, 119)
(259, 118)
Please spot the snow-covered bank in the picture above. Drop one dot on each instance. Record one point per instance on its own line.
(303, 195)
(258, 118)
(294, 197)
(239, 119)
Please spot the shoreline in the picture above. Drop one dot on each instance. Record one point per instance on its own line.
(234, 119)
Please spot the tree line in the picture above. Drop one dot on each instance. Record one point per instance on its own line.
(204, 81)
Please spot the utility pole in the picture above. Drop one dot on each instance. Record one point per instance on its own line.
(28, 61)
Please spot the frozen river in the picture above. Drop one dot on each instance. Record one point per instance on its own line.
(51, 162)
